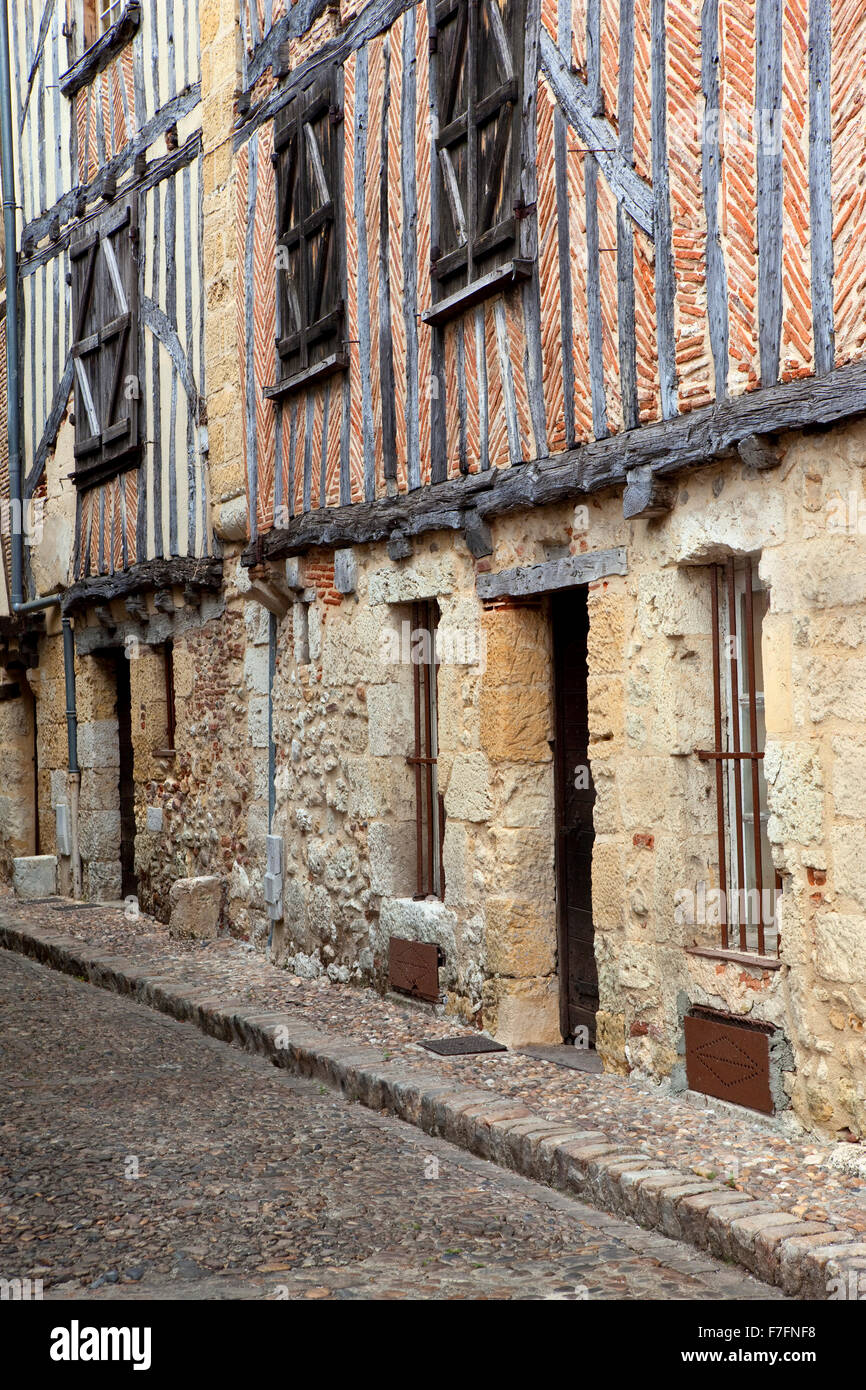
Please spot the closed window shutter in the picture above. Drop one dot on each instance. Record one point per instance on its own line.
(310, 327)
(105, 346)
(479, 46)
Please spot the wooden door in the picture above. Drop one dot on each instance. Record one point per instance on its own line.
(575, 797)
(126, 780)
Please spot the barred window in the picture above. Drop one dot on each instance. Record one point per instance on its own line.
(749, 885)
(429, 802)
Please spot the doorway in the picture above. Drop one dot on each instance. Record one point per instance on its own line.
(575, 833)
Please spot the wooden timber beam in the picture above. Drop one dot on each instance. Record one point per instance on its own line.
(702, 437)
(597, 134)
(101, 53)
(156, 575)
(552, 575)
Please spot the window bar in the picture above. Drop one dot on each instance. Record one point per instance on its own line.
(170, 719)
(419, 813)
(720, 776)
(753, 740)
(432, 810)
(735, 734)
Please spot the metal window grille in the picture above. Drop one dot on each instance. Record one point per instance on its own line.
(748, 881)
(429, 803)
(170, 715)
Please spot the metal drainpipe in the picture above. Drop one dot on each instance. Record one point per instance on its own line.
(73, 777)
(13, 394)
(7, 172)
(272, 751)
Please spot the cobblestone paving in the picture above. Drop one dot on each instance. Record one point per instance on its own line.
(771, 1162)
(252, 1183)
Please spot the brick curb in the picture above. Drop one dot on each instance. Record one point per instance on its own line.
(800, 1257)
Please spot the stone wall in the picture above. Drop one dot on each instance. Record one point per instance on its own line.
(343, 724)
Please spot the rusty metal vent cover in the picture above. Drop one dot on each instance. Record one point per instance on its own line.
(729, 1060)
(413, 968)
(462, 1046)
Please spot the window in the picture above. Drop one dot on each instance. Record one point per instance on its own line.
(429, 803)
(99, 16)
(479, 47)
(747, 878)
(310, 311)
(170, 709)
(104, 268)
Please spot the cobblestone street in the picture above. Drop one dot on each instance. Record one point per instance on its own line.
(140, 1159)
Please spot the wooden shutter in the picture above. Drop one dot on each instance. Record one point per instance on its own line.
(496, 119)
(479, 45)
(105, 346)
(453, 144)
(310, 322)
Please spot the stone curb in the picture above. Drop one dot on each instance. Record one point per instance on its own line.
(800, 1257)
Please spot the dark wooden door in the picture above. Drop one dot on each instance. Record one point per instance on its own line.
(575, 796)
(126, 780)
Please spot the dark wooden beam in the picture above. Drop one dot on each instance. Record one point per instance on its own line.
(668, 447)
(546, 578)
(101, 53)
(74, 201)
(646, 494)
(151, 575)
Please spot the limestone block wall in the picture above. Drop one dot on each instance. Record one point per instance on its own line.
(650, 686)
(205, 810)
(17, 819)
(343, 725)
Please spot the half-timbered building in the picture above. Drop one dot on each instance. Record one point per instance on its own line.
(456, 408)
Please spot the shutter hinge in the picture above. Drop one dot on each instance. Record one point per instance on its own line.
(433, 42)
(335, 114)
(522, 209)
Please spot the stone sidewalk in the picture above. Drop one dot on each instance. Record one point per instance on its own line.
(787, 1208)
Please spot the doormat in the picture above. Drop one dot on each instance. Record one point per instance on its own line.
(462, 1046)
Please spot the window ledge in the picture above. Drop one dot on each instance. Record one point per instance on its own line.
(739, 957)
(512, 273)
(338, 362)
(100, 53)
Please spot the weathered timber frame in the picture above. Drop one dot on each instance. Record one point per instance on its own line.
(477, 95)
(100, 53)
(104, 349)
(193, 575)
(668, 447)
(310, 310)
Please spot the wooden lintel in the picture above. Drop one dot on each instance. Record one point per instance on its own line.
(546, 578)
(150, 575)
(646, 494)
